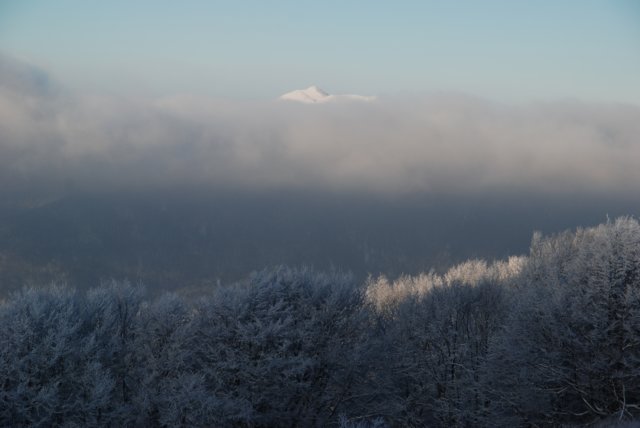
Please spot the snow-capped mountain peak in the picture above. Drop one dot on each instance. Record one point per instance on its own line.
(313, 94)
(314, 91)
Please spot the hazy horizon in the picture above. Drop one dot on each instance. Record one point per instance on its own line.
(186, 191)
(134, 133)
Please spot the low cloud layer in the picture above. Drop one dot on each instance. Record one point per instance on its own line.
(54, 141)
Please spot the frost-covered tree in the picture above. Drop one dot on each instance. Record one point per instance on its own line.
(571, 350)
(284, 351)
(50, 368)
(171, 388)
(544, 340)
(438, 332)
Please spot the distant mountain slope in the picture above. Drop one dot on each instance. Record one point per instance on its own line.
(193, 238)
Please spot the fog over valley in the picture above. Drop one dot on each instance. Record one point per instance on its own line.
(56, 141)
(185, 191)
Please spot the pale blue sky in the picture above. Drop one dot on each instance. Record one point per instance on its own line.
(504, 50)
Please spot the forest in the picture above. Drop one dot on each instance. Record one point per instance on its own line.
(547, 339)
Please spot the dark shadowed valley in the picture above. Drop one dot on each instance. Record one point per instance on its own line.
(177, 240)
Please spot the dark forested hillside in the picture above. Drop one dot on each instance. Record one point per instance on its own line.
(178, 239)
(547, 339)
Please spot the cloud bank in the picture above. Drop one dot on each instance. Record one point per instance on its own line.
(54, 141)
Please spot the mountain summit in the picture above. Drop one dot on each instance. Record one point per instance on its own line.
(313, 95)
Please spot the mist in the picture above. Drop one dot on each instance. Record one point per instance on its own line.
(54, 141)
(174, 190)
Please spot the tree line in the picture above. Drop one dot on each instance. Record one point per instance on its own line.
(547, 339)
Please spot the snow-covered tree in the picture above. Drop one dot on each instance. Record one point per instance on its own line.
(438, 330)
(50, 370)
(571, 350)
(548, 339)
(284, 351)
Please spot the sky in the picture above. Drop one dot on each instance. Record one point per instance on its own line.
(502, 50)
